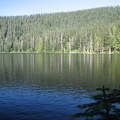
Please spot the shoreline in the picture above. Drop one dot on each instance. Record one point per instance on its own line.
(59, 53)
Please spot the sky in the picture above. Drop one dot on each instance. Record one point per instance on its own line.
(29, 7)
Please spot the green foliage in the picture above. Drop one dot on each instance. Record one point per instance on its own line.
(105, 105)
(39, 46)
(94, 30)
(67, 47)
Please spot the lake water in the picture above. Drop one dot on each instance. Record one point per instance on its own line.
(50, 86)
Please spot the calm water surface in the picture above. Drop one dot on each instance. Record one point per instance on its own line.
(49, 86)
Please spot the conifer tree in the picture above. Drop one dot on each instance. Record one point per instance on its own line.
(105, 105)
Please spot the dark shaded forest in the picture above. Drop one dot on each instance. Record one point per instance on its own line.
(87, 31)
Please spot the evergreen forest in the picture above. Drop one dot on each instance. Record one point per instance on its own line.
(95, 30)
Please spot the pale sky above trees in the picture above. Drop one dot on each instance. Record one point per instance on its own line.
(27, 7)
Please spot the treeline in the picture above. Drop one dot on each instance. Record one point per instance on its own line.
(86, 31)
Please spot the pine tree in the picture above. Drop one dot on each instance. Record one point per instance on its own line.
(105, 105)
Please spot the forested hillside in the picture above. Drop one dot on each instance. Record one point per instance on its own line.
(86, 31)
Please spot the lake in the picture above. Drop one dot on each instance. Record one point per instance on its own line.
(50, 86)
